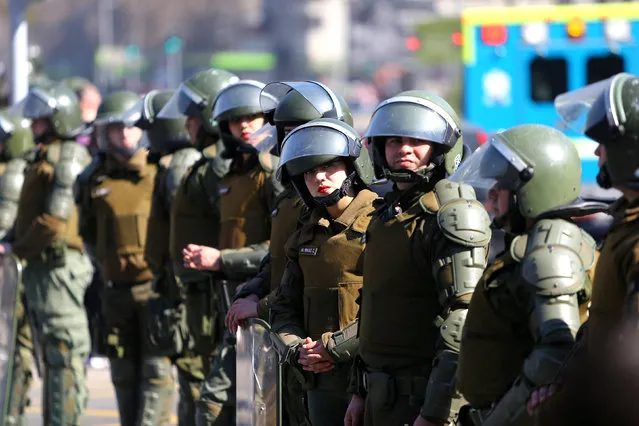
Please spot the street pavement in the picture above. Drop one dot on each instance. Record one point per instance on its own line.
(102, 409)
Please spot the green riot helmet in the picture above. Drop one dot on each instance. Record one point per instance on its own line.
(420, 115)
(166, 135)
(60, 106)
(112, 112)
(195, 96)
(606, 112)
(538, 165)
(321, 142)
(237, 101)
(77, 84)
(290, 104)
(15, 136)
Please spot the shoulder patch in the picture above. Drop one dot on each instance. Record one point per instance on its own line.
(465, 222)
(308, 251)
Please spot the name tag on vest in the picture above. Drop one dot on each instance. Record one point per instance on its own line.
(308, 251)
(101, 192)
(224, 191)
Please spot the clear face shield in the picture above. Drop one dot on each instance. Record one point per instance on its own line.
(592, 111)
(493, 170)
(184, 102)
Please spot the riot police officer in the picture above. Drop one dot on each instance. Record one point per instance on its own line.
(420, 266)
(17, 144)
(247, 198)
(286, 106)
(46, 236)
(171, 148)
(330, 169)
(598, 380)
(115, 196)
(194, 219)
(524, 313)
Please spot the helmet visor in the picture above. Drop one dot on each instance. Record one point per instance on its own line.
(493, 165)
(242, 98)
(184, 102)
(584, 108)
(316, 94)
(38, 104)
(6, 128)
(405, 116)
(140, 115)
(264, 139)
(325, 140)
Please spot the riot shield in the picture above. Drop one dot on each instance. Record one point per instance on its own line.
(258, 376)
(9, 279)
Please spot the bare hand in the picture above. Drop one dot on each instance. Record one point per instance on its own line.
(355, 412)
(539, 396)
(201, 258)
(314, 357)
(420, 421)
(241, 310)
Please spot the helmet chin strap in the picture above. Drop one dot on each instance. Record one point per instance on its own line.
(603, 177)
(409, 176)
(334, 197)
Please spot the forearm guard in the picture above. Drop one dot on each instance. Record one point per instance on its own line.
(343, 345)
(357, 381)
(244, 263)
(438, 402)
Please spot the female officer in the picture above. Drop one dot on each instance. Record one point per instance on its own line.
(330, 169)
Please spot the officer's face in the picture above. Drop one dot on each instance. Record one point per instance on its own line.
(39, 127)
(497, 202)
(325, 179)
(243, 127)
(192, 127)
(124, 137)
(407, 153)
(600, 152)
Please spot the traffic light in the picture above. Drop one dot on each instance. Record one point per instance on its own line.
(172, 45)
(412, 43)
(132, 52)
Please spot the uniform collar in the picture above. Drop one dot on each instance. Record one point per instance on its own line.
(136, 164)
(364, 198)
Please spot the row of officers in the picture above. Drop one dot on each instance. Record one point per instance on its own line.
(229, 199)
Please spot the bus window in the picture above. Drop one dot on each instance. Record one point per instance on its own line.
(548, 79)
(602, 67)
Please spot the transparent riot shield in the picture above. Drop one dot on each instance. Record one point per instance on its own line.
(9, 279)
(258, 376)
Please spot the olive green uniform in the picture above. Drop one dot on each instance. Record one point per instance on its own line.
(116, 204)
(511, 339)
(12, 175)
(420, 268)
(247, 198)
(56, 276)
(284, 222)
(318, 295)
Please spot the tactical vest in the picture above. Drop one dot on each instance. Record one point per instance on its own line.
(331, 263)
(195, 213)
(244, 213)
(497, 337)
(284, 219)
(38, 184)
(122, 204)
(611, 279)
(156, 250)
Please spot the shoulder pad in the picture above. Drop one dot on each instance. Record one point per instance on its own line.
(447, 191)
(429, 203)
(268, 162)
(518, 247)
(73, 160)
(180, 163)
(211, 151)
(16, 165)
(588, 252)
(12, 180)
(552, 263)
(464, 220)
